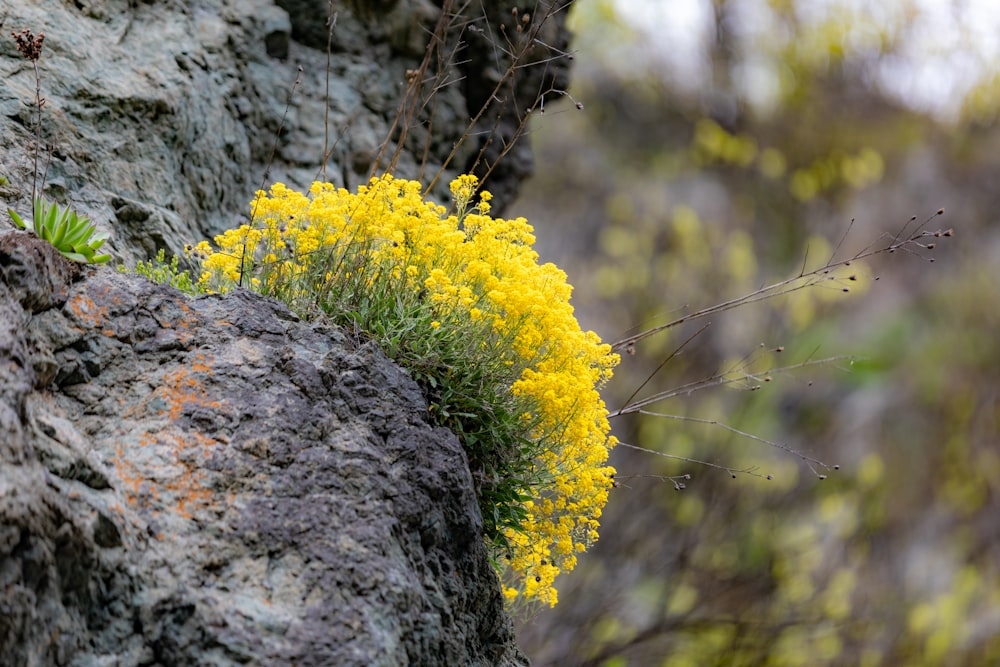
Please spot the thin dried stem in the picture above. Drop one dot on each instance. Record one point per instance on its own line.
(30, 47)
(731, 471)
(331, 23)
(902, 241)
(517, 54)
(811, 462)
(410, 102)
(663, 363)
(270, 161)
(717, 380)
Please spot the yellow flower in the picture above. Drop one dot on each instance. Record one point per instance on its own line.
(481, 283)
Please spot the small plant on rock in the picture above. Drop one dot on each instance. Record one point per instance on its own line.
(73, 235)
(159, 270)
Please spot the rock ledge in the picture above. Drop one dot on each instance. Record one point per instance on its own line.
(211, 481)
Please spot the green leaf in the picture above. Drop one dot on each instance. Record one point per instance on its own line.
(78, 233)
(97, 241)
(16, 218)
(60, 231)
(76, 257)
(48, 221)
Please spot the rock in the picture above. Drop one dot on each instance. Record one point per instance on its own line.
(163, 118)
(210, 481)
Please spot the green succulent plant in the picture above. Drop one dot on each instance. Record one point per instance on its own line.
(73, 235)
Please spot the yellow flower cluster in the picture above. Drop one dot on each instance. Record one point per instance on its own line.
(478, 275)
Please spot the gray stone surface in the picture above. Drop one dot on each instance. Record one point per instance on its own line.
(210, 481)
(162, 116)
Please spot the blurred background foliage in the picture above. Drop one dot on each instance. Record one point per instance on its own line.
(723, 145)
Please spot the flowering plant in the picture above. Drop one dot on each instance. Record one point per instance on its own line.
(460, 300)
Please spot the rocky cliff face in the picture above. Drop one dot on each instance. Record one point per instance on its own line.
(164, 117)
(210, 481)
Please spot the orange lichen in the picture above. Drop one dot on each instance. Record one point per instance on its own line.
(86, 310)
(179, 391)
(182, 388)
(183, 323)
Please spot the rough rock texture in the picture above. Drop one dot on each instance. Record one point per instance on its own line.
(163, 116)
(210, 481)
